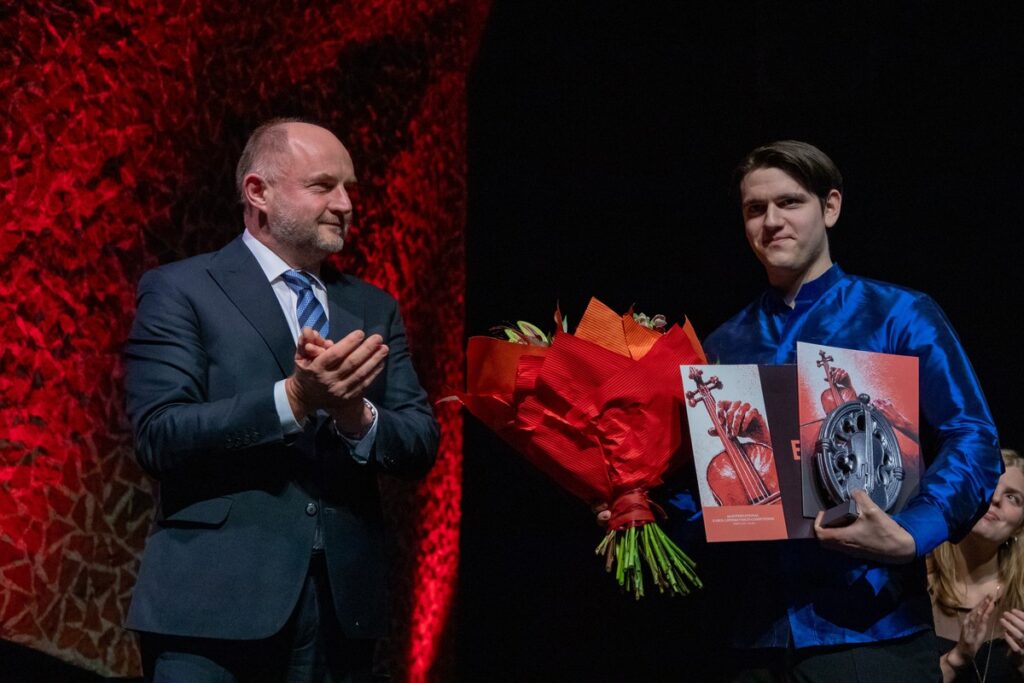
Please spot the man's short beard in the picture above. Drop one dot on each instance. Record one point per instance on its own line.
(329, 245)
(304, 236)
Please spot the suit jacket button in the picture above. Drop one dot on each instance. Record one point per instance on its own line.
(311, 509)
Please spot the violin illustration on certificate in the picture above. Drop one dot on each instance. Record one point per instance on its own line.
(772, 447)
(743, 473)
(737, 472)
(857, 438)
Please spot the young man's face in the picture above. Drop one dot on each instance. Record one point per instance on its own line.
(786, 226)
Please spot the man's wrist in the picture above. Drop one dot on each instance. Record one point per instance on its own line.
(356, 427)
(294, 402)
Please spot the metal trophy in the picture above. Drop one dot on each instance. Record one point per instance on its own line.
(856, 449)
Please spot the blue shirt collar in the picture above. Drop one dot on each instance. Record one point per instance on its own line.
(809, 291)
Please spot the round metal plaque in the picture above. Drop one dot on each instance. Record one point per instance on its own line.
(857, 449)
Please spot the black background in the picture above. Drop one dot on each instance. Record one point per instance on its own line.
(602, 137)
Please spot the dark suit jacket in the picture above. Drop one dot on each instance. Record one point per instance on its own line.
(231, 544)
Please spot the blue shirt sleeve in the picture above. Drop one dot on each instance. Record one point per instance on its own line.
(967, 464)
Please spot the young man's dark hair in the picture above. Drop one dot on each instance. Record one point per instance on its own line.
(807, 164)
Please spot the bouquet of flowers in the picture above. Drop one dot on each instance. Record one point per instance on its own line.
(598, 411)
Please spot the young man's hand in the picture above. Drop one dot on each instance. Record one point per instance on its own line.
(874, 535)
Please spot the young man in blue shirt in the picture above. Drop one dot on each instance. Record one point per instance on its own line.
(853, 604)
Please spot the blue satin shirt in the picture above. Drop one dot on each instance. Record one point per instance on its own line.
(802, 594)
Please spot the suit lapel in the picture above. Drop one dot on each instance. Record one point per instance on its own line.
(345, 315)
(240, 277)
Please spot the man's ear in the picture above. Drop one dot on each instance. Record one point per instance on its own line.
(255, 189)
(833, 205)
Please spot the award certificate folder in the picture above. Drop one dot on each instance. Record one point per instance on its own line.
(775, 444)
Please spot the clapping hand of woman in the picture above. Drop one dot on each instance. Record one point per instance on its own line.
(974, 632)
(1012, 623)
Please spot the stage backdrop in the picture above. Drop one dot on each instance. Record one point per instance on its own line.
(120, 127)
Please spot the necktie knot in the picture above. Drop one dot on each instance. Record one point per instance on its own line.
(297, 281)
(308, 310)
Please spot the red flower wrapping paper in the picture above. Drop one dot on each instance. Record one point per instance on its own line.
(599, 412)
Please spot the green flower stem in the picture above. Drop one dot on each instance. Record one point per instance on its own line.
(628, 550)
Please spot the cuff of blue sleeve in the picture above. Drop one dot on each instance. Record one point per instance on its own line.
(925, 525)
(289, 425)
(686, 503)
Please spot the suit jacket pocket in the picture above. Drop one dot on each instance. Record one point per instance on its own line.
(204, 513)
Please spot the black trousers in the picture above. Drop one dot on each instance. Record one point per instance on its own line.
(309, 649)
(913, 659)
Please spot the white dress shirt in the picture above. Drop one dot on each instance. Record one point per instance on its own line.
(273, 267)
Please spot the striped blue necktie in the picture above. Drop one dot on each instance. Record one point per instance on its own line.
(307, 309)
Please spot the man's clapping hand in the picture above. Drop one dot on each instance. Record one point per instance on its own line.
(333, 376)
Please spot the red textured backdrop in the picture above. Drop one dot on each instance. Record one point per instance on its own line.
(120, 128)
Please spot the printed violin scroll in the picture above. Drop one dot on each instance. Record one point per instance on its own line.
(744, 472)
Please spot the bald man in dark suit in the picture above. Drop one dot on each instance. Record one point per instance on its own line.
(266, 561)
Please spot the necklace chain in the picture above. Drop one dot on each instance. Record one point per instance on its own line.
(988, 656)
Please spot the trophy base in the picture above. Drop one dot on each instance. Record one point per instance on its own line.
(843, 514)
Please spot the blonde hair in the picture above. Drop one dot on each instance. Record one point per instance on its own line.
(945, 561)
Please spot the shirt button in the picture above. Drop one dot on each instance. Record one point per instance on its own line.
(311, 509)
